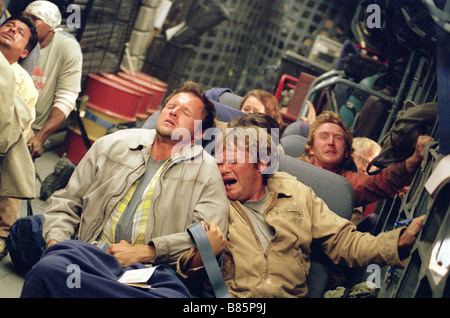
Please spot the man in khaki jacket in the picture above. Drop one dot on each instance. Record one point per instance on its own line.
(273, 220)
(184, 187)
(18, 36)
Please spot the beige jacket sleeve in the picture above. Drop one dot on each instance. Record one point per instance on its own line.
(14, 112)
(345, 245)
(17, 169)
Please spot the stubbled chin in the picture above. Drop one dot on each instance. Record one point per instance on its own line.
(228, 186)
(231, 194)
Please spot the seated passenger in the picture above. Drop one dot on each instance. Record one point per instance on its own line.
(273, 219)
(180, 183)
(330, 147)
(259, 101)
(365, 150)
(18, 37)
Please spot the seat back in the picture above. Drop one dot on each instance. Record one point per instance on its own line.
(335, 190)
(230, 99)
(294, 145)
(297, 128)
(338, 194)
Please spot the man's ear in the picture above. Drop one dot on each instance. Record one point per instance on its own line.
(24, 54)
(262, 166)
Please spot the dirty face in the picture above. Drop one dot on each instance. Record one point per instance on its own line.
(14, 36)
(253, 105)
(329, 146)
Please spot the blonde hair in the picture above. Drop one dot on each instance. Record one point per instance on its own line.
(256, 142)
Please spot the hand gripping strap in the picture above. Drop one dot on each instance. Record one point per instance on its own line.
(200, 238)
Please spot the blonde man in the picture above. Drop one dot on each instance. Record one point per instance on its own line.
(329, 147)
(273, 220)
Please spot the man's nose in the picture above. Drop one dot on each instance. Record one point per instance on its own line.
(174, 111)
(224, 168)
(12, 29)
(331, 140)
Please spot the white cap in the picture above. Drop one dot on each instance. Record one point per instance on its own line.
(46, 11)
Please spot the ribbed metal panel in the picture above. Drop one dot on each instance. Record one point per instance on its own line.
(107, 28)
(235, 53)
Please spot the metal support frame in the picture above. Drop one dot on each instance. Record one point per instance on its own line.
(331, 78)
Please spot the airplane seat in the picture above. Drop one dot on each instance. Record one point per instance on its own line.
(294, 145)
(297, 128)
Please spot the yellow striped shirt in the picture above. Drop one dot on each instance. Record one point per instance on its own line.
(140, 216)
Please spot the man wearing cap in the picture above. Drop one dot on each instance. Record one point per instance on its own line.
(57, 75)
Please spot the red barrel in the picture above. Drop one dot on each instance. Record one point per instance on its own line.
(142, 112)
(74, 147)
(112, 98)
(158, 91)
(145, 77)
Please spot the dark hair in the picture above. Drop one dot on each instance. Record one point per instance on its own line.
(33, 40)
(209, 111)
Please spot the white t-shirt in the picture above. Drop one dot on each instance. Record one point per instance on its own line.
(59, 69)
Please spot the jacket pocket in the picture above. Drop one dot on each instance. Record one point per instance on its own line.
(289, 214)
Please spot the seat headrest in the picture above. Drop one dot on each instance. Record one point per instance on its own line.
(297, 128)
(294, 145)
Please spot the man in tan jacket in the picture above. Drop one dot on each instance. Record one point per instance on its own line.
(18, 36)
(273, 220)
